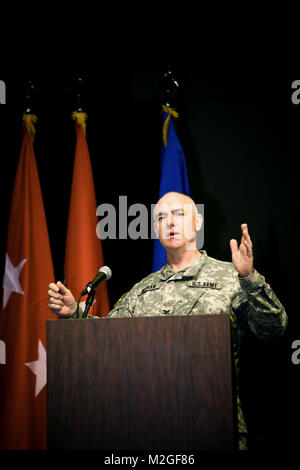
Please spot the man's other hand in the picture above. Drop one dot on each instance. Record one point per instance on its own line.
(61, 300)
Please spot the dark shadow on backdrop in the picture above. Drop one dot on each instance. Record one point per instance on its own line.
(124, 138)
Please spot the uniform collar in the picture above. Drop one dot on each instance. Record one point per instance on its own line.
(189, 272)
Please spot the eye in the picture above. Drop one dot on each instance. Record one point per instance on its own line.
(179, 212)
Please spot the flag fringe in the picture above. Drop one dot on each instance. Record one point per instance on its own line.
(29, 120)
(171, 112)
(80, 118)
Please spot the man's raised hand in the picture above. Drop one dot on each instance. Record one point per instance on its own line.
(242, 256)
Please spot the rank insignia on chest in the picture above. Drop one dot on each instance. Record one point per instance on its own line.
(205, 284)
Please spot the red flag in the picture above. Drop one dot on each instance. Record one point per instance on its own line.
(84, 255)
(28, 271)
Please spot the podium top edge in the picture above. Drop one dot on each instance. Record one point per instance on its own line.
(167, 317)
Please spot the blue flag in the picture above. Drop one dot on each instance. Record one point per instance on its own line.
(174, 175)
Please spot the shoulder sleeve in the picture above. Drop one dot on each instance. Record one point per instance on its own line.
(121, 307)
(259, 308)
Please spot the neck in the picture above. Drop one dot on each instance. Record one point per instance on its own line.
(179, 259)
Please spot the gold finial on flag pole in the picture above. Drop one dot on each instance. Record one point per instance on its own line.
(169, 88)
(28, 118)
(79, 116)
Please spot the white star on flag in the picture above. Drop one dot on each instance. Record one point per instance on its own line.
(39, 368)
(11, 281)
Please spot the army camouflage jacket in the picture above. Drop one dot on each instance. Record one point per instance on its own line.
(209, 286)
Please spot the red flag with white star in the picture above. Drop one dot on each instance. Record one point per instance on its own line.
(24, 311)
(84, 256)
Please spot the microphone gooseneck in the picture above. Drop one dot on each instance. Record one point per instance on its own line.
(104, 273)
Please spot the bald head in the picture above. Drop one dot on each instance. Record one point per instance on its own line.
(173, 198)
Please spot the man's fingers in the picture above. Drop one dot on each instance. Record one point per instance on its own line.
(246, 240)
(248, 245)
(245, 233)
(53, 306)
(62, 289)
(243, 249)
(56, 301)
(53, 287)
(54, 294)
(234, 246)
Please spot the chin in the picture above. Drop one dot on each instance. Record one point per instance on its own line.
(174, 244)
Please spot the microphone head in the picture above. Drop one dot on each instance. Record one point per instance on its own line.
(107, 271)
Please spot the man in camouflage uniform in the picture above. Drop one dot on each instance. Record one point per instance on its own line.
(192, 283)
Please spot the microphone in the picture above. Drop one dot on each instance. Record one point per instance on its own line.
(103, 274)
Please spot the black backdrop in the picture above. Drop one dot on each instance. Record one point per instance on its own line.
(240, 138)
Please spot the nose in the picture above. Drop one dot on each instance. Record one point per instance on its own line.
(170, 221)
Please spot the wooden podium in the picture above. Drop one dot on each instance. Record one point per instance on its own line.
(140, 383)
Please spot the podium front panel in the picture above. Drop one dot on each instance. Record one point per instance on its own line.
(140, 383)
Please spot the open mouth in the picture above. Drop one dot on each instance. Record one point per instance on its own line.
(174, 235)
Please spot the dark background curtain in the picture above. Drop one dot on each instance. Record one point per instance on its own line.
(241, 141)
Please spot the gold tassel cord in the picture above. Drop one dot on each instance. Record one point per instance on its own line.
(80, 118)
(29, 120)
(171, 112)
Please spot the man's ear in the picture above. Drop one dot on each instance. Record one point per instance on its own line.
(199, 222)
